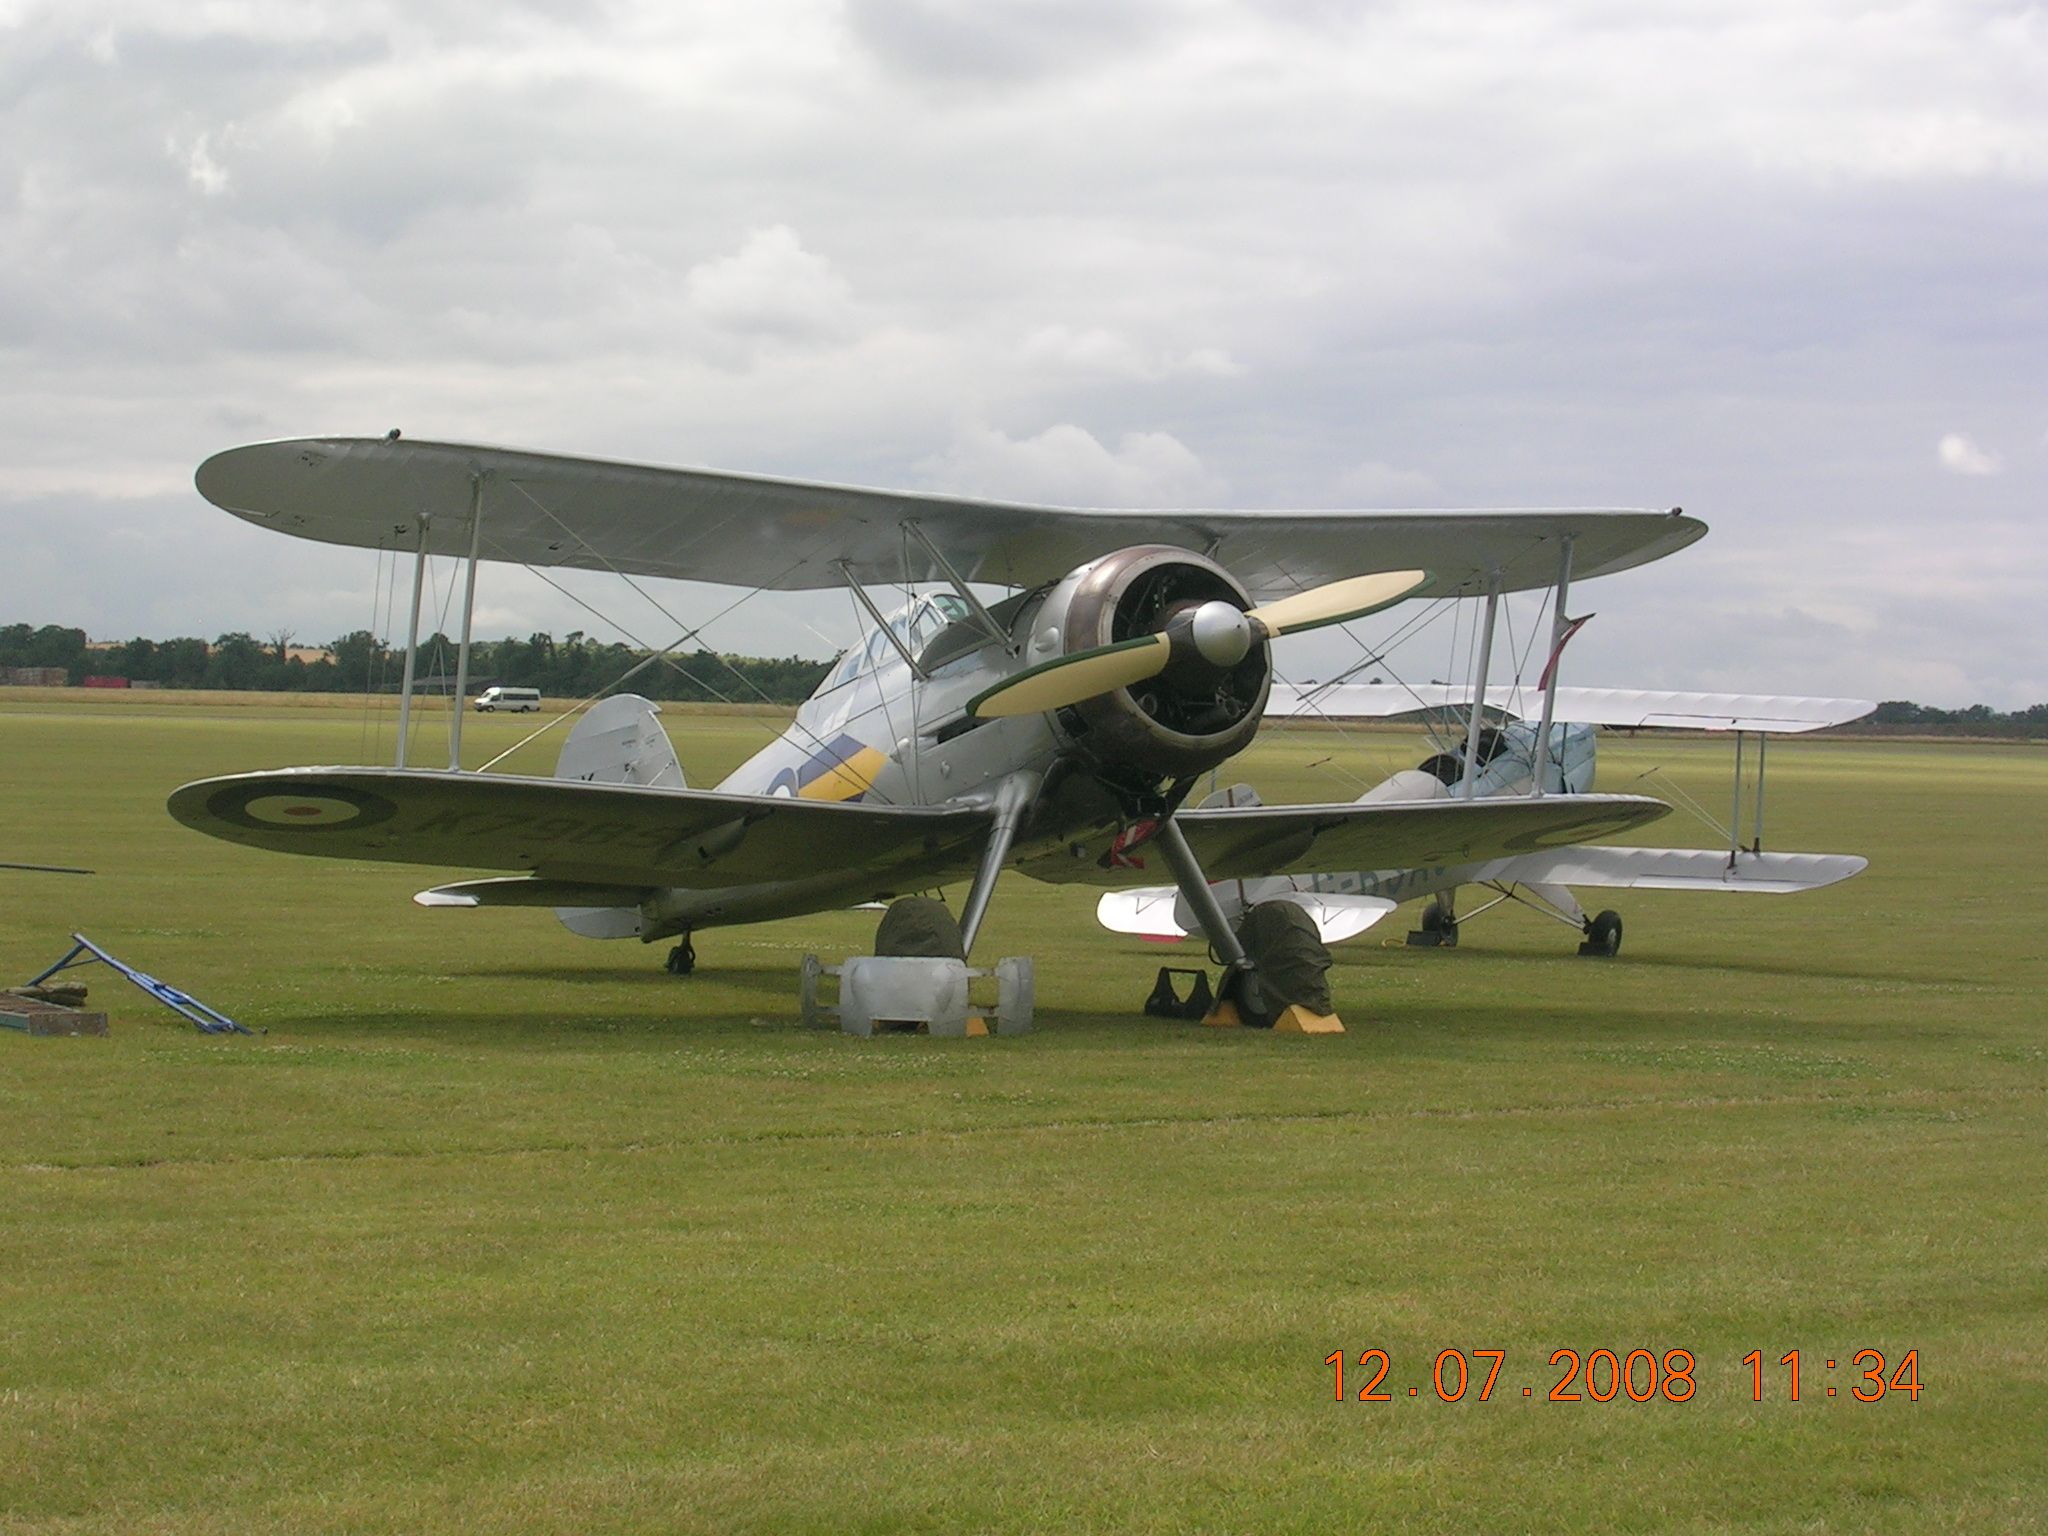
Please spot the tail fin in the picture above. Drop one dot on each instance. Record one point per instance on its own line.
(619, 741)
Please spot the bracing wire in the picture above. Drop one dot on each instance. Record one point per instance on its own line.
(690, 631)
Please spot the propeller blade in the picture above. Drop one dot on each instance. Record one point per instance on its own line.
(1086, 674)
(1070, 679)
(1338, 602)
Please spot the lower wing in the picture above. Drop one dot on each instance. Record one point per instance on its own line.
(1680, 869)
(1247, 841)
(619, 836)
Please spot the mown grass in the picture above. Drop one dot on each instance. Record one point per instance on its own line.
(496, 1229)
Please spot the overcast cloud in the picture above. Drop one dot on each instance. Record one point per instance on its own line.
(1784, 264)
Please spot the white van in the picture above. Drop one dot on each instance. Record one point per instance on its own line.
(518, 701)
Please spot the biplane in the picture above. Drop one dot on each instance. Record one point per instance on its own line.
(1057, 730)
(1504, 760)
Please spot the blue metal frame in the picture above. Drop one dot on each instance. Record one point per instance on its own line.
(210, 1020)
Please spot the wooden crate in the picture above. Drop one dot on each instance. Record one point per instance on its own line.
(40, 1018)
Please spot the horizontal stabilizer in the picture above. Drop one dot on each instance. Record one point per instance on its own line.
(522, 891)
(1632, 708)
(1680, 869)
(1155, 912)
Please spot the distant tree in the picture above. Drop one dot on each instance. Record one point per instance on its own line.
(358, 659)
(183, 662)
(237, 662)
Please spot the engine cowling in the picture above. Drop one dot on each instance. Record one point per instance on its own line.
(1184, 721)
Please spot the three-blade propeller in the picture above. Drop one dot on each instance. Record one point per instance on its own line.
(1216, 633)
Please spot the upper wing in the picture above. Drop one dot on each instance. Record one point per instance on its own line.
(1243, 842)
(1775, 713)
(753, 531)
(616, 835)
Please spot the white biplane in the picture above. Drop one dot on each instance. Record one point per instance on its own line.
(1056, 731)
(1503, 761)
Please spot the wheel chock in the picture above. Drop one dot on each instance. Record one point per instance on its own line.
(1165, 1003)
(1224, 1016)
(1297, 1020)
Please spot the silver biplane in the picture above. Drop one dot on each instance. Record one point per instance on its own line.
(1056, 731)
(1502, 761)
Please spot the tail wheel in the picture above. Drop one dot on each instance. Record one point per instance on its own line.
(1603, 934)
(1441, 923)
(683, 958)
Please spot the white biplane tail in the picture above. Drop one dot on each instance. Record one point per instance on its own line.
(619, 740)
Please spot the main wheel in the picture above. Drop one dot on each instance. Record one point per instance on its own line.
(1441, 923)
(682, 959)
(1603, 934)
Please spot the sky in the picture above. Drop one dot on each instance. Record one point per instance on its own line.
(1784, 264)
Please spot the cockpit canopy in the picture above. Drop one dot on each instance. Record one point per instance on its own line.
(917, 623)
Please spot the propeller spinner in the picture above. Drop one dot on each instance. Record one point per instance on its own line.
(1211, 636)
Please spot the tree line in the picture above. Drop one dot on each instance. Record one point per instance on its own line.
(577, 666)
(572, 667)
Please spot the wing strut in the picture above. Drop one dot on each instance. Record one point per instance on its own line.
(412, 642)
(881, 621)
(461, 700)
(1470, 783)
(1756, 830)
(1560, 631)
(981, 614)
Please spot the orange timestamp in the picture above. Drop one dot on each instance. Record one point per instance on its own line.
(1602, 1376)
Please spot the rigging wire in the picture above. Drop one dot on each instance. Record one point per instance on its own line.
(759, 691)
(797, 723)
(664, 655)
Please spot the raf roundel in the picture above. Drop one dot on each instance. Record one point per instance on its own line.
(320, 809)
(301, 810)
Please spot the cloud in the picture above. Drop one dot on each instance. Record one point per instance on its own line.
(1960, 456)
(1066, 465)
(1290, 253)
(1371, 484)
(771, 287)
(1098, 350)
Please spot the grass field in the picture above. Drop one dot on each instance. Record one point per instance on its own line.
(500, 1230)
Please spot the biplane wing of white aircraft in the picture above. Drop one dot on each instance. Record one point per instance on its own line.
(1505, 764)
(1057, 730)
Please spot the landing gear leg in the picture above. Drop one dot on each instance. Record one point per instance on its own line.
(683, 958)
(1240, 979)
